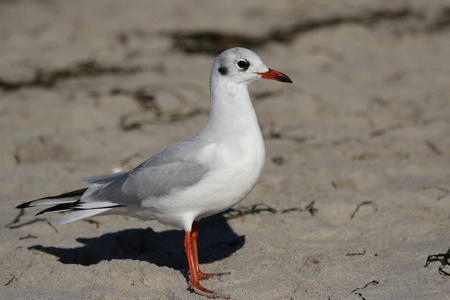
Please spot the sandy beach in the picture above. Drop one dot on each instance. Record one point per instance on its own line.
(354, 200)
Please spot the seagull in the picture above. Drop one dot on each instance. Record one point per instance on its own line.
(184, 183)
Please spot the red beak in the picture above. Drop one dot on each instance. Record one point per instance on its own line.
(275, 75)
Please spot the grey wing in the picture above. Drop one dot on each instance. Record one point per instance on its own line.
(158, 176)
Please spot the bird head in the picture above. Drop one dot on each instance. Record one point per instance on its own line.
(242, 66)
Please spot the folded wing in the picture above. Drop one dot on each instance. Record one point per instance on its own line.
(156, 177)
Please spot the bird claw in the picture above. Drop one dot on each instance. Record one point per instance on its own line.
(198, 289)
(206, 276)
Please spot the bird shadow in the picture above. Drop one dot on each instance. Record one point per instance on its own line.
(216, 241)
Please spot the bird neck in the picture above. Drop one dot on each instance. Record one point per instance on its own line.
(232, 112)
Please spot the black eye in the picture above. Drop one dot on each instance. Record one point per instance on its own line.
(243, 64)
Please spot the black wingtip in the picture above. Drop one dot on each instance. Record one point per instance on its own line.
(23, 205)
(60, 208)
(75, 193)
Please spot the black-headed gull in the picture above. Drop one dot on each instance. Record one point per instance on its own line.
(204, 175)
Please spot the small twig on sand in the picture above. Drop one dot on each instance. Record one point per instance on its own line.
(444, 259)
(31, 222)
(371, 203)
(16, 219)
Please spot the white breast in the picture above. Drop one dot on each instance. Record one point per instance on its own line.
(234, 172)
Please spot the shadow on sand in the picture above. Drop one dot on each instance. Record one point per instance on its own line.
(216, 241)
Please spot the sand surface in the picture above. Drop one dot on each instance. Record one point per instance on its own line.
(355, 194)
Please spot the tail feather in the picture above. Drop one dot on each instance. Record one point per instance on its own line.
(81, 214)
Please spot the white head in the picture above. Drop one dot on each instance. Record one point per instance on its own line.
(242, 66)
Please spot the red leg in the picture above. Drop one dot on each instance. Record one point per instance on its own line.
(200, 274)
(195, 284)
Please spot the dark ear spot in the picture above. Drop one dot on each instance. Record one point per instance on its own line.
(223, 70)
